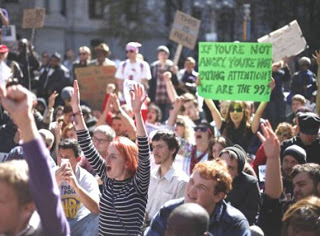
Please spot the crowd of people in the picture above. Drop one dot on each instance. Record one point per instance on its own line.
(157, 159)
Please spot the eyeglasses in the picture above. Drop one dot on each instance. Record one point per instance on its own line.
(99, 140)
(131, 51)
(202, 129)
(179, 123)
(82, 53)
(239, 109)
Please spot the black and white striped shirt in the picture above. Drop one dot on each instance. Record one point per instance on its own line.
(123, 203)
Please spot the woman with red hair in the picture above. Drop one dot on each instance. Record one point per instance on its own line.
(125, 172)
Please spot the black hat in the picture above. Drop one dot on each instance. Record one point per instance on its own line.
(241, 154)
(297, 153)
(309, 122)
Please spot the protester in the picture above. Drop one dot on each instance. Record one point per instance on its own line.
(307, 138)
(27, 61)
(237, 126)
(79, 190)
(125, 172)
(189, 219)
(68, 60)
(188, 77)
(198, 152)
(216, 145)
(297, 102)
(304, 81)
(209, 183)
(102, 52)
(133, 68)
(245, 194)
(306, 180)
(166, 182)
(276, 108)
(157, 85)
(55, 79)
(40, 185)
(303, 218)
(83, 61)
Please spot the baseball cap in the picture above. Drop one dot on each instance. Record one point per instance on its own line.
(3, 48)
(309, 122)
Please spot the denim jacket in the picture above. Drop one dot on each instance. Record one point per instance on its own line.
(225, 220)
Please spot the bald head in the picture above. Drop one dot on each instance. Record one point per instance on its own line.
(189, 219)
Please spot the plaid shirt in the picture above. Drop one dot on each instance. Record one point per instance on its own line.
(161, 91)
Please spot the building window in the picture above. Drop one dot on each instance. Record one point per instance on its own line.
(96, 9)
(63, 10)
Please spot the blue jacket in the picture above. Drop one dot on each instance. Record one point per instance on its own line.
(225, 220)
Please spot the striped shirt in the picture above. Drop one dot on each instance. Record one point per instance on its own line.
(123, 203)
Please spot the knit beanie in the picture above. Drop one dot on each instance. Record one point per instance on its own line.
(296, 152)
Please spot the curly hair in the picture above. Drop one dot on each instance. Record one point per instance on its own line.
(218, 171)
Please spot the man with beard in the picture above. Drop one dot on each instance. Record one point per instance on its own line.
(307, 138)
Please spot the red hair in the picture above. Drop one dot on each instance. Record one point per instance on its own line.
(129, 151)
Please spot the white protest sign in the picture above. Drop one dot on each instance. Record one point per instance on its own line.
(262, 173)
(5, 72)
(286, 42)
(127, 87)
(185, 30)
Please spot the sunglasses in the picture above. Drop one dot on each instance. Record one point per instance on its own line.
(239, 109)
(131, 51)
(179, 123)
(82, 53)
(202, 129)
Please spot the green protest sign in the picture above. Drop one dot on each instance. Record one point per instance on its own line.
(235, 71)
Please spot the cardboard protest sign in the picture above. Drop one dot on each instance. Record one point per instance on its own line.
(235, 71)
(286, 42)
(93, 81)
(33, 18)
(185, 30)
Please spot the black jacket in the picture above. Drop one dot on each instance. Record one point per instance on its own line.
(245, 196)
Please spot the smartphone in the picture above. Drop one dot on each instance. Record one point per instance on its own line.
(64, 161)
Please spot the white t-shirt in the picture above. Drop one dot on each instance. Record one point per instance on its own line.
(133, 71)
(73, 208)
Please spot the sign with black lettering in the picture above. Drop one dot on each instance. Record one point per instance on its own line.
(33, 18)
(286, 42)
(185, 30)
(235, 71)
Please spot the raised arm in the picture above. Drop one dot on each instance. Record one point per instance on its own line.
(271, 145)
(45, 192)
(75, 103)
(142, 177)
(175, 112)
(262, 106)
(128, 122)
(137, 99)
(214, 112)
(172, 93)
(90, 152)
